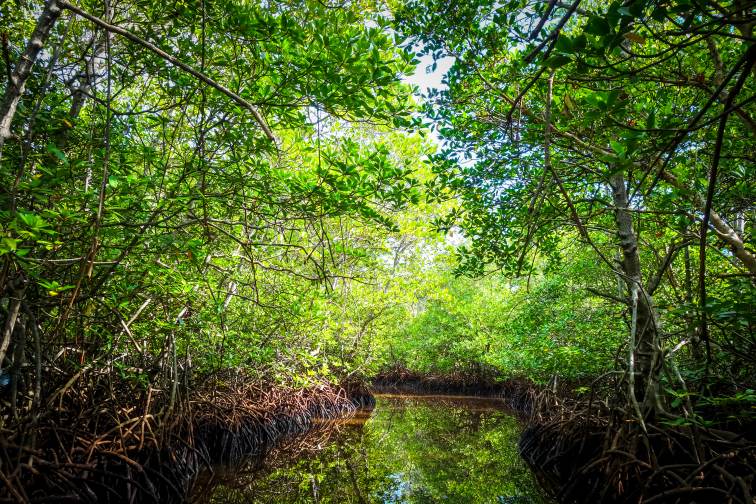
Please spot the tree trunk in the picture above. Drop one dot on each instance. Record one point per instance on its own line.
(691, 324)
(642, 356)
(23, 68)
(16, 291)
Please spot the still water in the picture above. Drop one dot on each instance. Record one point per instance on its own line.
(409, 449)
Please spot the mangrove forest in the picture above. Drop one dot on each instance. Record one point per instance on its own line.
(378, 251)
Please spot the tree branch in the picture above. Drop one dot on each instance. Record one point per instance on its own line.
(654, 281)
(608, 296)
(710, 198)
(175, 62)
(22, 71)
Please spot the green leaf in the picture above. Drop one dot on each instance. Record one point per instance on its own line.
(564, 44)
(659, 14)
(557, 61)
(651, 120)
(52, 149)
(8, 245)
(579, 43)
(597, 26)
(611, 97)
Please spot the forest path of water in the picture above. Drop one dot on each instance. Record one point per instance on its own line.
(409, 449)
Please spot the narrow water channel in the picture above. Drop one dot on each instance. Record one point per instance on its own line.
(409, 449)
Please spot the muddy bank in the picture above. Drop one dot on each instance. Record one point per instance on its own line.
(94, 456)
(581, 451)
(519, 394)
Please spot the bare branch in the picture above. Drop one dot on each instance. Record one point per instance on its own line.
(654, 281)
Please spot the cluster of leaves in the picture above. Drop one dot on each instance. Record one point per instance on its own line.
(156, 225)
(537, 327)
(152, 221)
(548, 104)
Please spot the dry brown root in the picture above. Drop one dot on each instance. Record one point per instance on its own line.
(105, 441)
(478, 381)
(585, 452)
(520, 395)
(243, 475)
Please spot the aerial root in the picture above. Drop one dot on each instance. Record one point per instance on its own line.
(477, 381)
(106, 443)
(585, 452)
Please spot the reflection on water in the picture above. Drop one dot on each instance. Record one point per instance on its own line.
(412, 449)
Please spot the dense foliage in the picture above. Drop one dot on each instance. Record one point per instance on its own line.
(626, 127)
(188, 188)
(149, 217)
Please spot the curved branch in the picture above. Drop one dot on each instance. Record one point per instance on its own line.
(709, 200)
(175, 62)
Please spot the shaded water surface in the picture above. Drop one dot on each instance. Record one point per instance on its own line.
(410, 449)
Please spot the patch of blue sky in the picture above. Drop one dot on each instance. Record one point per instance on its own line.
(430, 74)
